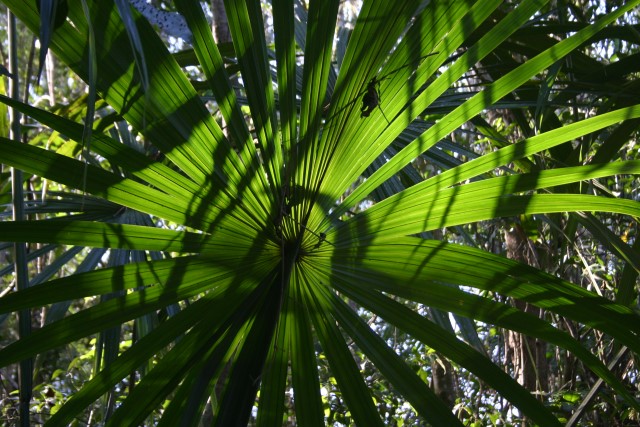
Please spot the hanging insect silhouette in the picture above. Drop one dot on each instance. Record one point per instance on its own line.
(371, 97)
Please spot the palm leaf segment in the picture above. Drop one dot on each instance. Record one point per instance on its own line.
(261, 247)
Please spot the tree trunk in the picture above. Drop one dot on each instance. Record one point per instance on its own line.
(442, 381)
(221, 34)
(527, 355)
(220, 24)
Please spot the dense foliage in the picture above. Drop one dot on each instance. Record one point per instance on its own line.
(424, 216)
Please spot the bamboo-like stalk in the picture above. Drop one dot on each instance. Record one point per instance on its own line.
(20, 250)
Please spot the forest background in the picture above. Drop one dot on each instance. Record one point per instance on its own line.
(321, 213)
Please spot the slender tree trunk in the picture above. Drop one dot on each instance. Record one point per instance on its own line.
(442, 381)
(25, 367)
(527, 355)
(221, 34)
(220, 24)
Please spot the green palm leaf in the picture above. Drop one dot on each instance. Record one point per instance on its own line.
(272, 256)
